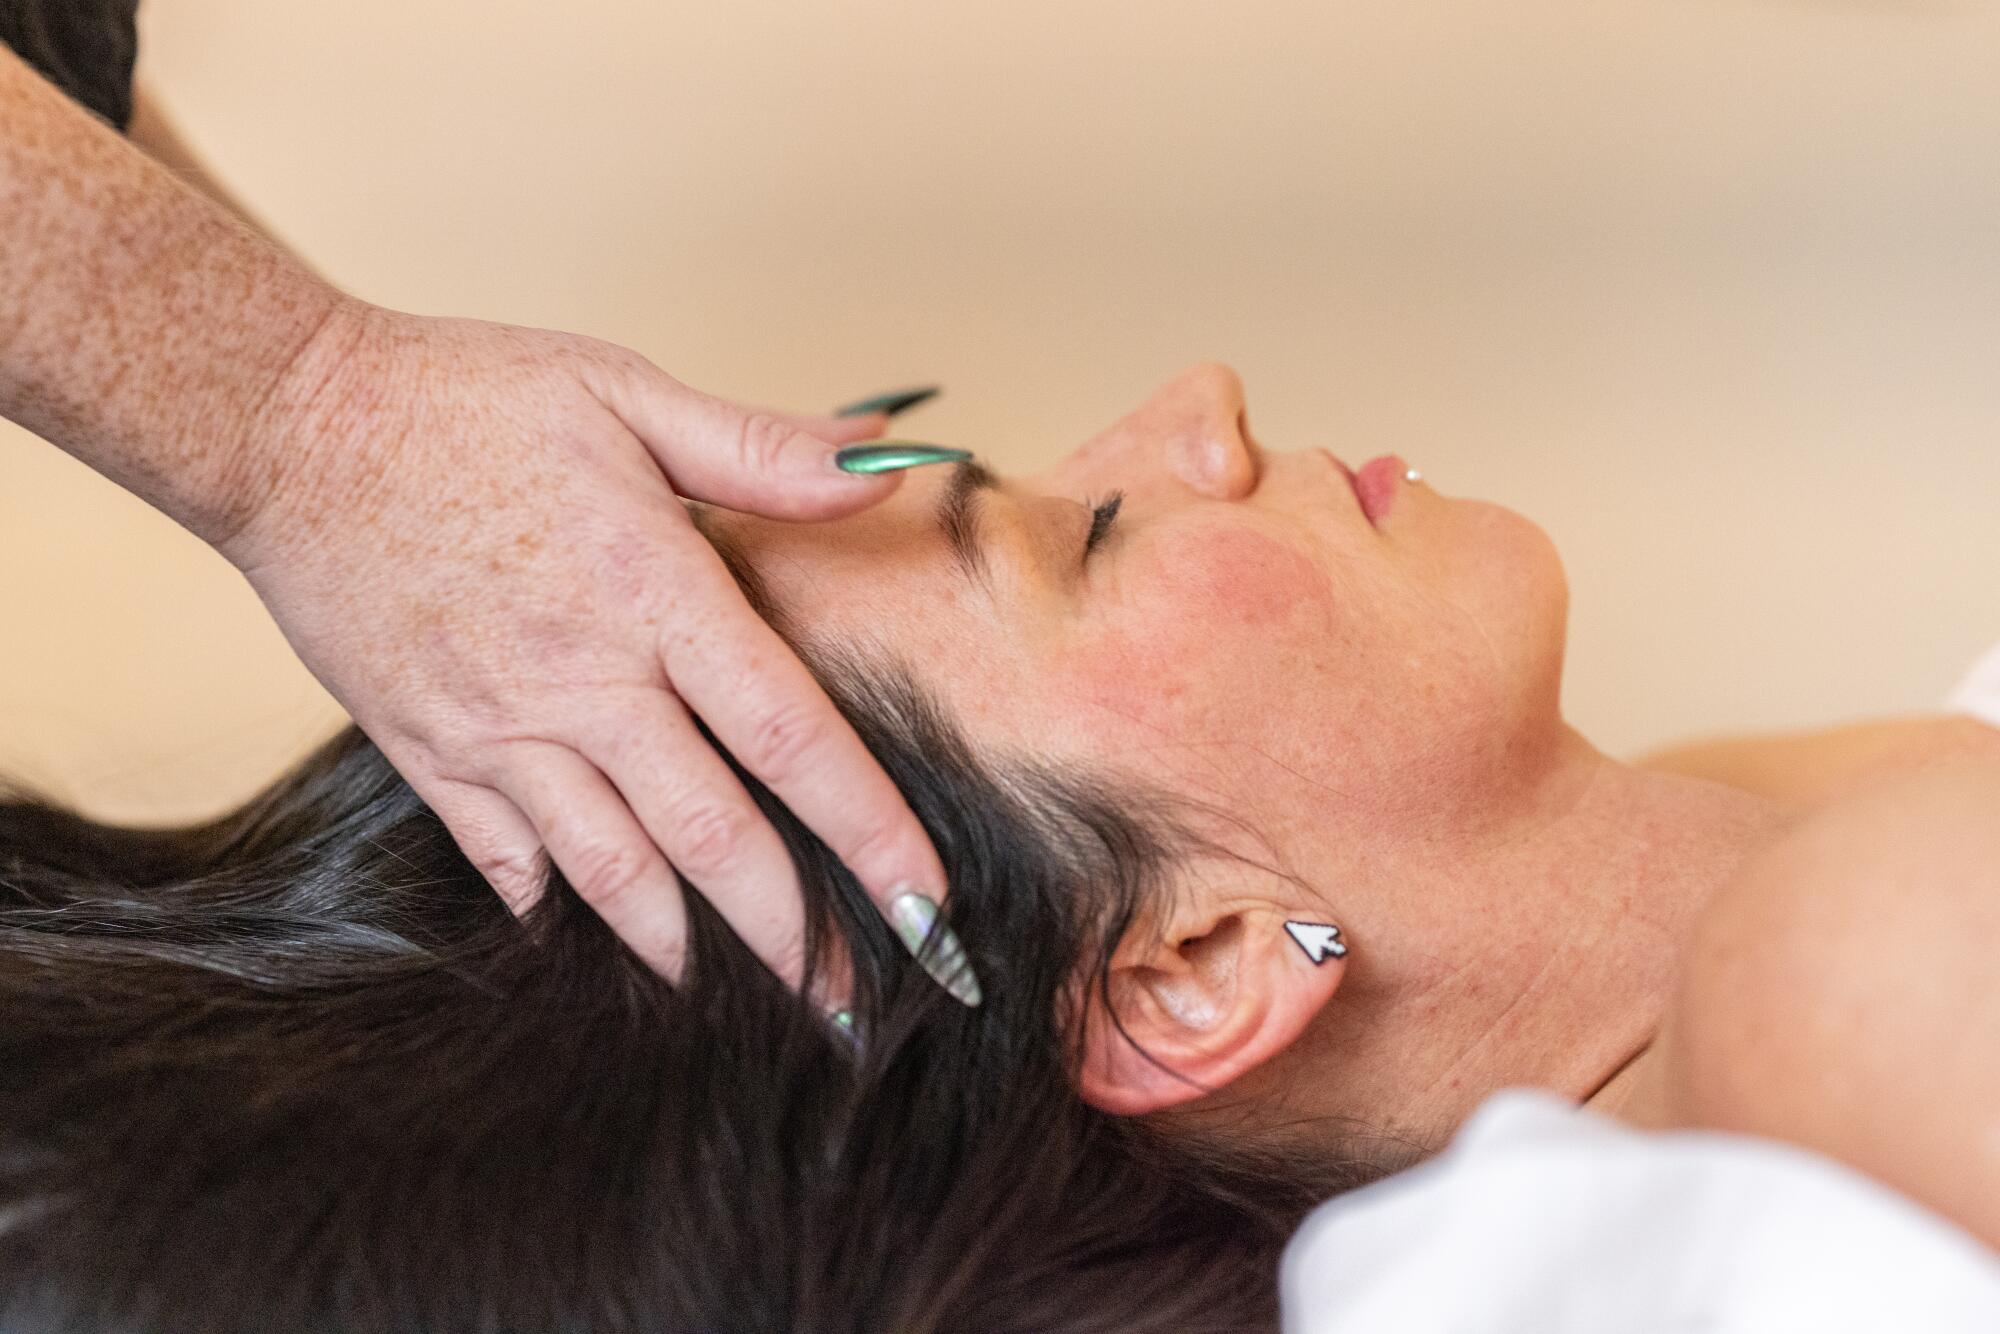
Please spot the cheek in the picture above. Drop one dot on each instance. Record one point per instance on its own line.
(1239, 581)
(1215, 626)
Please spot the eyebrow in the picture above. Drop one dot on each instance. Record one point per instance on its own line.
(959, 508)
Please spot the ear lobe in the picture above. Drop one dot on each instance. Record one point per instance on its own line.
(1203, 1008)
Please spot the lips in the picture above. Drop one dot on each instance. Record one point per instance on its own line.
(1374, 484)
(1347, 473)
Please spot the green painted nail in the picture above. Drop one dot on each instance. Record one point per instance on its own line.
(932, 944)
(889, 455)
(891, 403)
(842, 1022)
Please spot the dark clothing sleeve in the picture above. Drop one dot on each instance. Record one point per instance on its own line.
(87, 48)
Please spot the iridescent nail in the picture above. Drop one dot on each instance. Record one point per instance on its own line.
(889, 455)
(842, 1023)
(889, 404)
(932, 944)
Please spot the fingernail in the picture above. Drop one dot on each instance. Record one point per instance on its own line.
(842, 1024)
(915, 917)
(889, 455)
(889, 404)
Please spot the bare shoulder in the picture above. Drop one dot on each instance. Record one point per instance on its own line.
(1903, 868)
(1925, 832)
(1841, 993)
(1810, 768)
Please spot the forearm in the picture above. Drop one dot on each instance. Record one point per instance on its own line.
(143, 329)
(154, 131)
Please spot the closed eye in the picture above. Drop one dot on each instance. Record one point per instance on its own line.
(1102, 515)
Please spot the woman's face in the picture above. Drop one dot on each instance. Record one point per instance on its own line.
(1362, 694)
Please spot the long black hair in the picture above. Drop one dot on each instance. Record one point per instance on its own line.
(299, 1069)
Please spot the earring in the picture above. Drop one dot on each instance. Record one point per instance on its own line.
(1317, 939)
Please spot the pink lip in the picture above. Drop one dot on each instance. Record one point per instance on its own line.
(1374, 486)
(1376, 483)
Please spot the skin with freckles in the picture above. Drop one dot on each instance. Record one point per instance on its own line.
(470, 532)
(1377, 702)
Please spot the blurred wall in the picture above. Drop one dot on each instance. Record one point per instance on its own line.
(1711, 291)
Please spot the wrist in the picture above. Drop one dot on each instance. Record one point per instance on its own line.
(302, 412)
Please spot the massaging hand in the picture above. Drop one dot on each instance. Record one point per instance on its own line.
(473, 539)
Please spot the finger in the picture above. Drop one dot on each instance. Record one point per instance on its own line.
(766, 709)
(495, 837)
(838, 430)
(699, 814)
(604, 853)
(740, 458)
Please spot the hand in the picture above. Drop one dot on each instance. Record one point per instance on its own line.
(470, 533)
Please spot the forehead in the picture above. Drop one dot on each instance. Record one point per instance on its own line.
(884, 586)
(882, 581)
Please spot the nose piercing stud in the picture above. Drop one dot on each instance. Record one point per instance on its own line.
(1413, 476)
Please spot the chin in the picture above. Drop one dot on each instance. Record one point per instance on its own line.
(1511, 577)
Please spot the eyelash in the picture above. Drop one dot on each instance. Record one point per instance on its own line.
(1102, 515)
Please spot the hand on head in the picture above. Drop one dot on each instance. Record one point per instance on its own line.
(473, 535)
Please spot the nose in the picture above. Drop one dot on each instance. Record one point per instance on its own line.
(1206, 429)
(1194, 427)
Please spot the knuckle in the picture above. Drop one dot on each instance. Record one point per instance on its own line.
(880, 844)
(633, 363)
(517, 874)
(708, 839)
(761, 438)
(608, 873)
(782, 742)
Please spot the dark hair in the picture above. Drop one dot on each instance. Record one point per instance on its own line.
(299, 1069)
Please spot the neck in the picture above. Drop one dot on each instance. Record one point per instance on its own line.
(1545, 955)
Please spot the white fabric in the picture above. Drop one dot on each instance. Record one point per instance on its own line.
(1978, 691)
(1542, 1217)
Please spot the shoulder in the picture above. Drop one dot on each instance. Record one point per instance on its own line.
(1806, 770)
(1862, 896)
(1912, 844)
(1830, 994)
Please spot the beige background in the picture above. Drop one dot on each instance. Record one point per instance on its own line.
(1711, 291)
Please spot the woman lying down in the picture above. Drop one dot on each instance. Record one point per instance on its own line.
(1267, 843)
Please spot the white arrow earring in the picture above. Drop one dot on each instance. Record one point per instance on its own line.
(1317, 939)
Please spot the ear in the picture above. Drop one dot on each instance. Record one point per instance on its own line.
(1209, 1000)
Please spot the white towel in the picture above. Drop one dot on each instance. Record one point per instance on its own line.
(1542, 1217)
(1978, 691)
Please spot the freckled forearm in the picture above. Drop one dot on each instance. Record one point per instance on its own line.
(154, 131)
(142, 328)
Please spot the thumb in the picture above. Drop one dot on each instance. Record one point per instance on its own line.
(738, 457)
